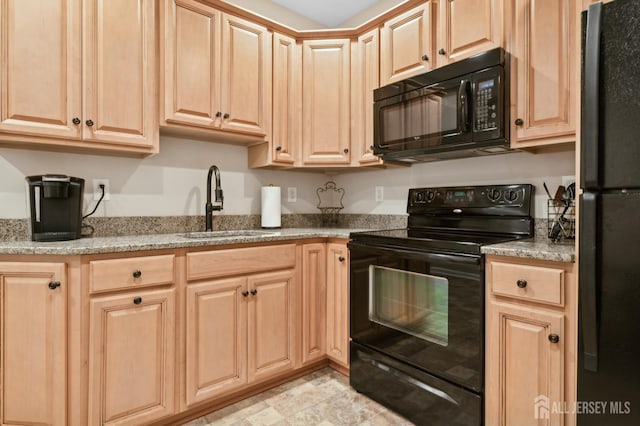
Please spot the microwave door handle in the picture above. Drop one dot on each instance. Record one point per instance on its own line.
(463, 109)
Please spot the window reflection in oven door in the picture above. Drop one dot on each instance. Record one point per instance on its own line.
(425, 309)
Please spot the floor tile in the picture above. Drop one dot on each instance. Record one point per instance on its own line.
(321, 398)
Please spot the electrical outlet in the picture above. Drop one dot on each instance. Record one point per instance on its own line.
(292, 195)
(97, 192)
(379, 193)
(568, 180)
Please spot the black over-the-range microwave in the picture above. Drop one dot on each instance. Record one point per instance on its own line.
(458, 110)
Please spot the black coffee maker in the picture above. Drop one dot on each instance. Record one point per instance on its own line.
(56, 207)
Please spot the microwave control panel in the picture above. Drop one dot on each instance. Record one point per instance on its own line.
(486, 104)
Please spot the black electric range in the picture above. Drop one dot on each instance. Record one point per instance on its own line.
(417, 301)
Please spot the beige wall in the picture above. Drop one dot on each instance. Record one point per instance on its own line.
(170, 183)
(173, 182)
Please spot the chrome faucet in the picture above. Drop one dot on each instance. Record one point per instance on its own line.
(209, 208)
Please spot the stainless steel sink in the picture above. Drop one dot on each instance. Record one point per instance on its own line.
(228, 234)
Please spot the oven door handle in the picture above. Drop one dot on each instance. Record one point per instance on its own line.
(408, 379)
(431, 257)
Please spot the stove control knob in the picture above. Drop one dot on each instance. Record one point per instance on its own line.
(511, 195)
(493, 194)
(420, 197)
(431, 196)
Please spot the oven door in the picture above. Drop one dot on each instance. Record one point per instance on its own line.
(424, 118)
(422, 308)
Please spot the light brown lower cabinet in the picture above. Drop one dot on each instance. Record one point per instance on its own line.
(531, 339)
(271, 328)
(314, 301)
(338, 303)
(325, 303)
(131, 357)
(240, 326)
(33, 336)
(152, 337)
(216, 338)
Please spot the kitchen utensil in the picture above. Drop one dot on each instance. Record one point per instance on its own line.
(558, 228)
(558, 197)
(546, 189)
(570, 193)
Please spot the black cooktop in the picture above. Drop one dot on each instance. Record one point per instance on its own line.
(453, 242)
(459, 219)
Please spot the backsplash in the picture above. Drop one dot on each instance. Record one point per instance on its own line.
(18, 229)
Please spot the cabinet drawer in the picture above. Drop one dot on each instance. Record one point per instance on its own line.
(535, 283)
(132, 272)
(208, 264)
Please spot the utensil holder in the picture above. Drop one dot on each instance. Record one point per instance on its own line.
(561, 222)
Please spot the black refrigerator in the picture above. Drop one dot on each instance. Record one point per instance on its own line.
(609, 248)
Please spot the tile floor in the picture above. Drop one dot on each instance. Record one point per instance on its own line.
(322, 398)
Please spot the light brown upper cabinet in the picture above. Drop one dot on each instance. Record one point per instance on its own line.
(282, 147)
(216, 70)
(468, 27)
(326, 66)
(543, 45)
(79, 74)
(407, 44)
(365, 77)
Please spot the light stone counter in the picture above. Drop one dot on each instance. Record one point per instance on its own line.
(120, 244)
(540, 248)
(534, 248)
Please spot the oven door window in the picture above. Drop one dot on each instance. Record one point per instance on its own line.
(410, 302)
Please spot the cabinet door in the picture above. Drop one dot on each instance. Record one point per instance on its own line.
(525, 371)
(407, 44)
(216, 360)
(365, 78)
(287, 96)
(271, 331)
(40, 67)
(468, 27)
(131, 357)
(544, 79)
(325, 101)
(338, 303)
(119, 64)
(246, 76)
(33, 340)
(190, 60)
(314, 301)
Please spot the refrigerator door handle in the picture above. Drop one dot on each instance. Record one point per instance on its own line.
(590, 99)
(588, 277)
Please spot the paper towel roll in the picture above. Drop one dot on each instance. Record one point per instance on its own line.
(271, 207)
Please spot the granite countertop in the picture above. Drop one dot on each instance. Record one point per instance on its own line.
(533, 248)
(120, 244)
(540, 248)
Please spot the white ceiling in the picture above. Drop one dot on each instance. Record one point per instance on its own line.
(327, 12)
